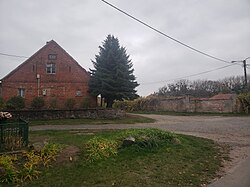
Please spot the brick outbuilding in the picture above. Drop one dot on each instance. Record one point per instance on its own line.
(50, 73)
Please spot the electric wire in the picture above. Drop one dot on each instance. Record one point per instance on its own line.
(192, 75)
(165, 35)
(10, 55)
(188, 76)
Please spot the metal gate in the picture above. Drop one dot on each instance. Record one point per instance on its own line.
(13, 135)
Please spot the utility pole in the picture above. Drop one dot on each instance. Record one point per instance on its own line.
(245, 71)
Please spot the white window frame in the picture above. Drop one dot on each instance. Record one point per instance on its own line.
(52, 56)
(21, 92)
(51, 68)
(78, 93)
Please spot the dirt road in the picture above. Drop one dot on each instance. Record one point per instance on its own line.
(234, 131)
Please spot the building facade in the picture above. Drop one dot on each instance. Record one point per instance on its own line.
(50, 73)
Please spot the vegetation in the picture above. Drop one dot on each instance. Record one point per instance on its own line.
(112, 76)
(157, 158)
(2, 104)
(15, 103)
(70, 103)
(204, 88)
(37, 103)
(85, 102)
(244, 99)
(53, 103)
(99, 148)
(27, 165)
(140, 104)
(129, 119)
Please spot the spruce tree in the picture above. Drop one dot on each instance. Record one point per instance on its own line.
(112, 76)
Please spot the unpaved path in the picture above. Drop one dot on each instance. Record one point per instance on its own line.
(234, 131)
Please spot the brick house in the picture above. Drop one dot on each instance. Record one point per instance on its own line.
(50, 73)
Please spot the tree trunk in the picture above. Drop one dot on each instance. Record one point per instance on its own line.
(110, 103)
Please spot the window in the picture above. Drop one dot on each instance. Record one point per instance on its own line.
(78, 93)
(52, 57)
(51, 68)
(21, 92)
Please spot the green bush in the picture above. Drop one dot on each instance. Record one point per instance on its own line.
(70, 103)
(17, 169)
(2, 103)
(127, 105)
(244, 99)
(100, 148)
(10, 172)
(140, 104)
(15, 103)
(37, 103)
(53, 103)
(85, 102)
(149, 139)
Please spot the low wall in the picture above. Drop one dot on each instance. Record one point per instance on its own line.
(222, 103)
(217, 106)
(175, 104)
(62, 114)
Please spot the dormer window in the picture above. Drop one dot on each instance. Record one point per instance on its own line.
(51, 68)
(52, 56)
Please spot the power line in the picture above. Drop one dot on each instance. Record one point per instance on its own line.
(165, 35)
(188, 76)
(204, 72)
(10, 55)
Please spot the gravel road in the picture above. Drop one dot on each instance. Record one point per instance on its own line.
(234, 131)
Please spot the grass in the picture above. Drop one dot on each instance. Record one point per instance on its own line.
(192, 113)
(192, 162)
(129, 119)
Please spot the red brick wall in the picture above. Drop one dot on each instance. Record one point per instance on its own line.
(69, 78)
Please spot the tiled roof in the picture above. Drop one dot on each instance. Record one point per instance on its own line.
(222, 97)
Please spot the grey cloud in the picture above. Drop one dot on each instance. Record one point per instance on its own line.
(218, 27)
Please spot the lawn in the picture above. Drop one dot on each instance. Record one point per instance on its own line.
(157, 159)
(129, 119)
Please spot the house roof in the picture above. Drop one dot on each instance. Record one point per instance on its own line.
(222, 97)
(216, 97)
(36, 53)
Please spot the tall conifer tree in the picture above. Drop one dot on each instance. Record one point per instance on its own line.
(112, 76)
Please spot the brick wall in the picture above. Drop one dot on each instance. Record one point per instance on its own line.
(222, 103)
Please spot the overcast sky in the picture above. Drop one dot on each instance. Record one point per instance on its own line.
(218, 27)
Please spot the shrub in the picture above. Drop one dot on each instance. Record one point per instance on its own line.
(37, 103)
(15, 103)
(126, 105)
(149, 138)
(244, 99)
(85, 102)
(53, 103)
(100, 148)
(2, 103)
(70, 103)
(140, 104)
(9, 174)
(17, 169)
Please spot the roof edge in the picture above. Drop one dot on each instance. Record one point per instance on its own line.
(32, 56)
